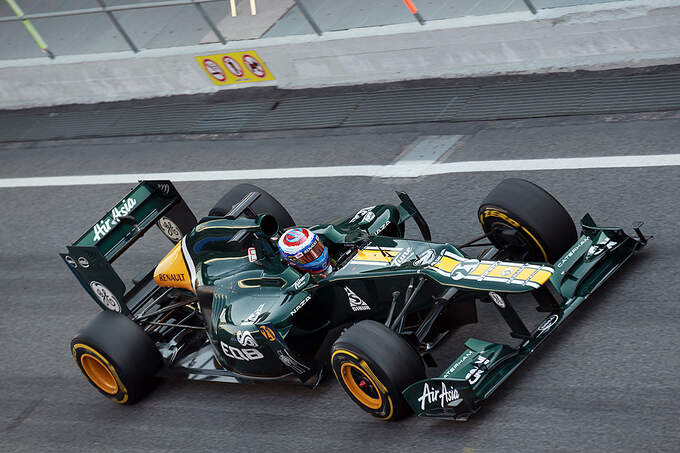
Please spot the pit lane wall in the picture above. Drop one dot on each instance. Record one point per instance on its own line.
(594, 37)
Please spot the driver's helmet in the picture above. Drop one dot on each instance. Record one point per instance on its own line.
(305, 251)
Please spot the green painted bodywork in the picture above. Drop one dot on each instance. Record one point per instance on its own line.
(268, 291)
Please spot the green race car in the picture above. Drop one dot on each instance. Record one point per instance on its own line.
(224, 305)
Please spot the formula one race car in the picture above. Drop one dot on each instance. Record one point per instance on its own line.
(223, 305)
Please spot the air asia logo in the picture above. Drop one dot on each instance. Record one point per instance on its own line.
(355, 301)
(445, 397)
(105, 296)
(245, 338)
(171, 277)
(170, 229)
(105, 225)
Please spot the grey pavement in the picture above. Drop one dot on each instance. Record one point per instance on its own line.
(183, 25)
(334, 15)
(607, 381)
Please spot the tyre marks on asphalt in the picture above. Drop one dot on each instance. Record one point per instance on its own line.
(23, 415)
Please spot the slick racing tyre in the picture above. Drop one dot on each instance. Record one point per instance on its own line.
(266, 204)
(526, 222)
(117, 357)
(374, 365)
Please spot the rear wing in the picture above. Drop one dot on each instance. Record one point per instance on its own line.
(90, 256)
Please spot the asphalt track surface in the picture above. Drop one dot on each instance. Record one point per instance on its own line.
(606, 381)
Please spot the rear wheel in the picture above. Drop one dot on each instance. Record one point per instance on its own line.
(117, 357)
(374, 365)
(526, 222)
(265, 204)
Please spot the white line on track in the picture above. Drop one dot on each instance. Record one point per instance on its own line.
(381, 171)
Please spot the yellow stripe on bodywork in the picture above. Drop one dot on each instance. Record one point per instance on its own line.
(502, 271)
(375, 255)
(541, 277)
(446, 264)
(526, 273)
(480, 269)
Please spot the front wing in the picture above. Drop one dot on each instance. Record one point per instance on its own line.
(484, 366)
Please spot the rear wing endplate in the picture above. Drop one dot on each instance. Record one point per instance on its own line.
(90, 256)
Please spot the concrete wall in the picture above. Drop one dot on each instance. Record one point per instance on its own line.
(624, 34)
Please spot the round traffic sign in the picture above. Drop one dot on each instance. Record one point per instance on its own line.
(232, 65)
(214, 70)
(254, 66)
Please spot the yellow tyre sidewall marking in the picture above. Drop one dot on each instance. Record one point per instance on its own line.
(367, 371)
(108, 365)
(513, 223)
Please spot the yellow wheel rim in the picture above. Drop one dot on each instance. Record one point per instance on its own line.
(360, 384)
(99, 373)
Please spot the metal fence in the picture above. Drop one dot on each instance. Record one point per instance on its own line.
(110, 10)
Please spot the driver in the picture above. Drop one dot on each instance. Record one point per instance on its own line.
(305, 251)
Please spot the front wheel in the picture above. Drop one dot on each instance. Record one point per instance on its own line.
(526, 222)
(374, 365)
(117, 357)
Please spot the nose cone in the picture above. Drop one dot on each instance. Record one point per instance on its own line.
(172, 271)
